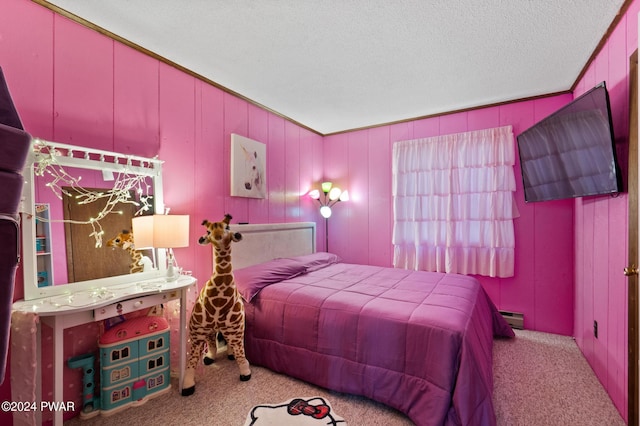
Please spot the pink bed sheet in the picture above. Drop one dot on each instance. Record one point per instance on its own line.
(420, 342)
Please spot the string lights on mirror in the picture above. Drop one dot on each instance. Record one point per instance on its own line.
(125, 170)
(102, 181)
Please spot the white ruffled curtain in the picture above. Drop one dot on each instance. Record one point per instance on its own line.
(453, 202)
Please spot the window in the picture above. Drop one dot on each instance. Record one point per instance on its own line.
(117, 354)
(453, 203)
(121, 374)
(155, 363)
(154, 344)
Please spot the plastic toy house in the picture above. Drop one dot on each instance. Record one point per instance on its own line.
(134, 363)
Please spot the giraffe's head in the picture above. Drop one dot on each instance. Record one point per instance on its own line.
(124, 240)
(219, 233)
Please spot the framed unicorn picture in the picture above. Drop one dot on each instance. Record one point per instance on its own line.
(248, 167)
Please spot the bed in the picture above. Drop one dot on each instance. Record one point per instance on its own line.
(420, 342)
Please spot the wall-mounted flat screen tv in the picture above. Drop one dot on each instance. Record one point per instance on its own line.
(571, 153)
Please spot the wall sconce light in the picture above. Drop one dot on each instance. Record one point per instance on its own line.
(162, 231)
(331, 196)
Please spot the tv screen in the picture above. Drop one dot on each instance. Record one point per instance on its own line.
(571, 153)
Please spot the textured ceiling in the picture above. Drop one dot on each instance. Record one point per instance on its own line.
(336, 65)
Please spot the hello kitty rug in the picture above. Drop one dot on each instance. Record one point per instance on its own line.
(296, 411)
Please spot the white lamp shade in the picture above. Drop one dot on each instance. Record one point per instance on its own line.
(161, 231)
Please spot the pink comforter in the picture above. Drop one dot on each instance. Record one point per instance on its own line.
(420, 342)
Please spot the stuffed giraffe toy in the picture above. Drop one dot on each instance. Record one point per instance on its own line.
(124, 240)
(219, 308)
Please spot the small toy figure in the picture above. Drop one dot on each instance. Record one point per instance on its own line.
(124, 240)
(90, 401)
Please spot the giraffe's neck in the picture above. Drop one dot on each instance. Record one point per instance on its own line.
(222, 277)
(136, 257)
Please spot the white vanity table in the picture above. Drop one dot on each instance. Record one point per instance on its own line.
(69, 310)
(62, 306)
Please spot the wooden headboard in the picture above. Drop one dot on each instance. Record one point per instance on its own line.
(267, 241)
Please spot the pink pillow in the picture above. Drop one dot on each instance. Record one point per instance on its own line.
(252, 279)
(319, 260)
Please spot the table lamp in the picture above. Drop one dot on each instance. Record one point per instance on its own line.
(162, 231)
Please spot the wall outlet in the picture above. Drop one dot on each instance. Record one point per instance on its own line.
(595, 329)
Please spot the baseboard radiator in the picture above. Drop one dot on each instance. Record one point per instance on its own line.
(514, 319)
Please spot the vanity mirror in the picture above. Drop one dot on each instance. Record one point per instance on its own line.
(75, 200)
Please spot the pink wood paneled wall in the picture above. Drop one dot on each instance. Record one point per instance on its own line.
(76, 86)
(569, 254)
(601, 236)
(361, 230)
(73, 85)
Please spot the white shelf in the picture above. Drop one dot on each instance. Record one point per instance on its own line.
(44, 256)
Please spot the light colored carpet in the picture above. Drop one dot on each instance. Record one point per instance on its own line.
(543, 379)
(540, 379)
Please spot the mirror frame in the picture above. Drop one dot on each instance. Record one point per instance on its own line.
(84, 158)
